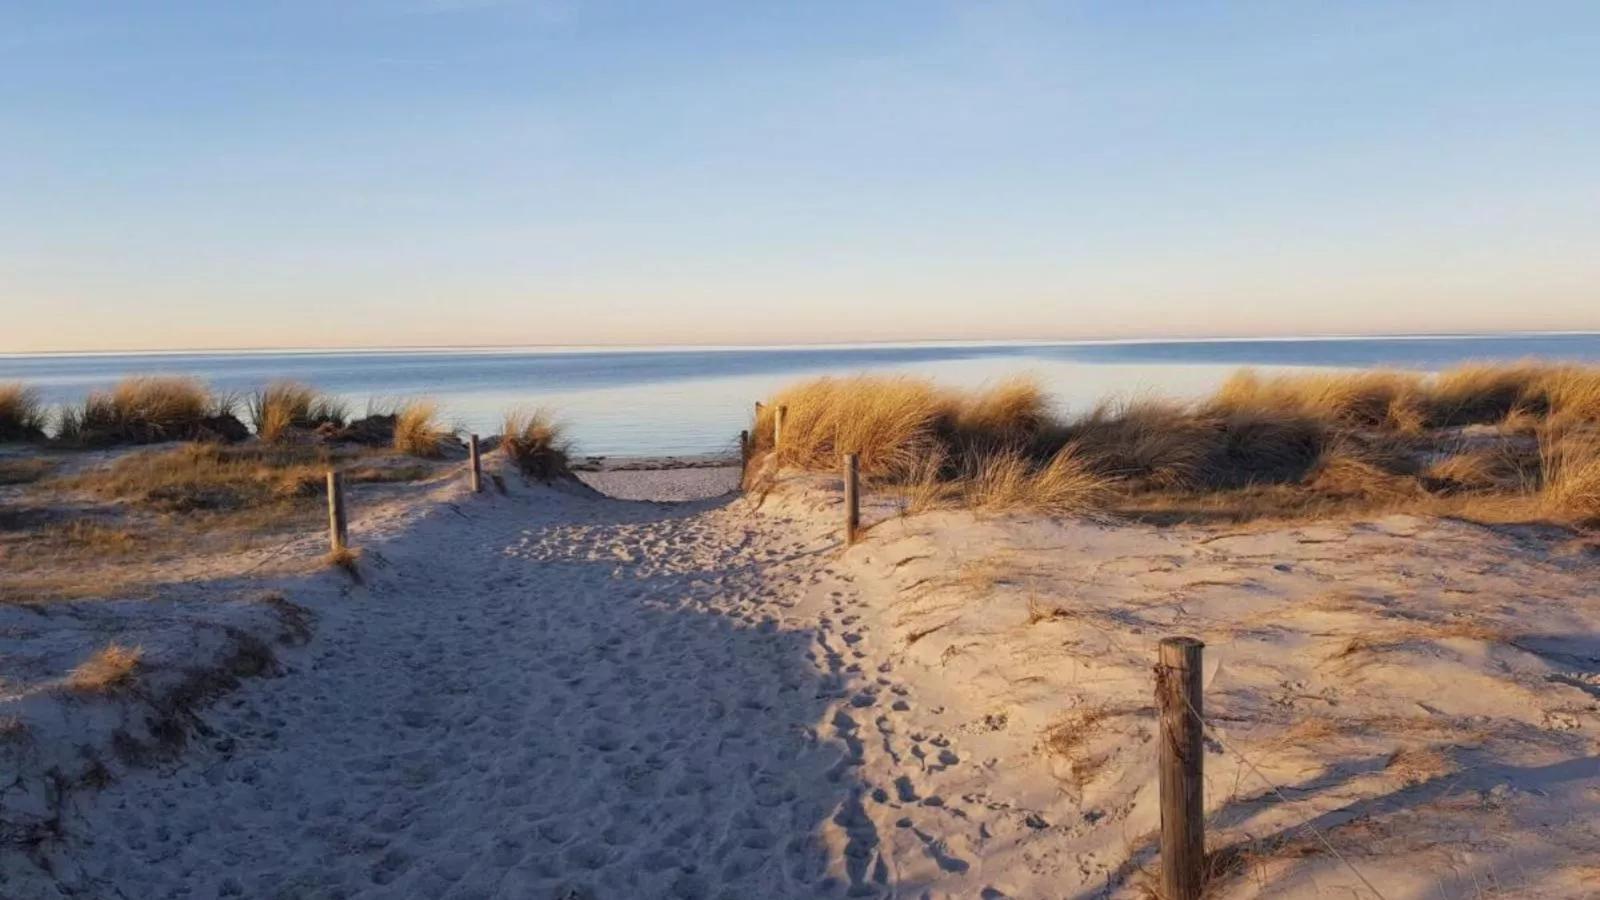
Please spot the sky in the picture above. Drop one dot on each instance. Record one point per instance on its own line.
(358, 173)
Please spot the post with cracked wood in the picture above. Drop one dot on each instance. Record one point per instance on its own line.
(1178, 702)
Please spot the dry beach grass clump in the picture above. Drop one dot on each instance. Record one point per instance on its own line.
(1498, 442)
(535, 443)
(150, 409)
(22, 414)
(282, 406)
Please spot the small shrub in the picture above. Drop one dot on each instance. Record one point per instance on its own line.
(110, 668)
(417, 432)
(533, 441)
(22, 413)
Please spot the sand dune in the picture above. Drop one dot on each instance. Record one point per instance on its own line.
(556, 694)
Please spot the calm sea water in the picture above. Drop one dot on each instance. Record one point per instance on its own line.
(682, 401)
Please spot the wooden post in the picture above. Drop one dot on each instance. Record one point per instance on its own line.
(852, 497)
(778, 415)
(1183, 835)
(477, 464)
(744, 455)
(338, 527)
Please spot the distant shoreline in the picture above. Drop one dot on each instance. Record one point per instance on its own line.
(557, 349)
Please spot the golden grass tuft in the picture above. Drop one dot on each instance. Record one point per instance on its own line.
(1376, 399)
(890, 423)
(533, 441)
(417, 431)
(1008, 480)
(1571, 395)
(285, 405)
(1070, 738)
(1416, 765)
(1480, 394)
(141, 410)
(1571, 466)
(1484, 470)
(1357, 470)
(22, 413)
(1007, 414)
(110, 668)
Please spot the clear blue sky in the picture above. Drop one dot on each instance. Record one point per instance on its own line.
(380, 172)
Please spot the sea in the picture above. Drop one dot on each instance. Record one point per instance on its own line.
(656, 401)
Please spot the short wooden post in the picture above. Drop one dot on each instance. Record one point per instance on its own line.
(477, 464)
(744, 455)
(1183, 836)
(778, 415)
(338, 527)
(852, 497)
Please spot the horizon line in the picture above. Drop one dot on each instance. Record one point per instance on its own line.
(802, 345)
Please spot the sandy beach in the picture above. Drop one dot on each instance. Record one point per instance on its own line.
(553, 693)
(545, 450)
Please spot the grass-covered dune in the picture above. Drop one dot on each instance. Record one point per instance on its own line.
(1500, 442)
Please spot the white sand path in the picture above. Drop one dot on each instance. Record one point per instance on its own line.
(556, 696)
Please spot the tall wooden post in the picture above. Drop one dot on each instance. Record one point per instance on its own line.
(778, 415)
(744, 455)
(1183, 836)
(852, 497)
(338, 527)
(477, 464)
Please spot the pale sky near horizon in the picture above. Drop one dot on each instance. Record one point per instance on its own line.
(458, 172)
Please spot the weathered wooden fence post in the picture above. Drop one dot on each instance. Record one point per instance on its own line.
(477, 464)
(744, 455)
(1183, 835)
(778, 415)
(852, 497)
(338, 527)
